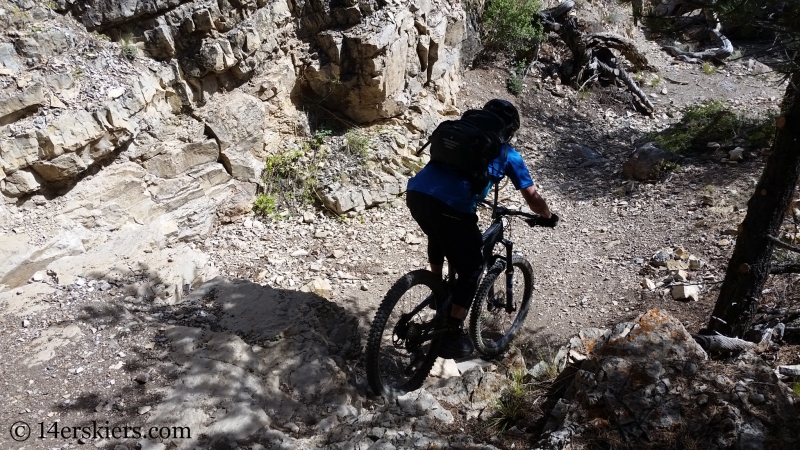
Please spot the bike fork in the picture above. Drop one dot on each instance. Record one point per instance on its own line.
(510, 306)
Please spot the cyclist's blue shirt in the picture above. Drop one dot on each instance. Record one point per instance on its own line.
(448, 185)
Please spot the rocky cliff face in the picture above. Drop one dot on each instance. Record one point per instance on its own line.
(73, 100)
(366, 59)
(162, 112)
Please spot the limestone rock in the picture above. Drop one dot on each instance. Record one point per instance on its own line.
(178, 159)
(17, 106)
(239, 125)
(320, 287)
(19, 152)
(645, 163)
(20, 183)
(61, 168)
(686, 292)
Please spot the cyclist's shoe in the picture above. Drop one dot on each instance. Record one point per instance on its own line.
(456, 344)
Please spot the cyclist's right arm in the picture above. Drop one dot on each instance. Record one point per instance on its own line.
(535, 201)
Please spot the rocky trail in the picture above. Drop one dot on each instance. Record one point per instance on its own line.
(148, 307)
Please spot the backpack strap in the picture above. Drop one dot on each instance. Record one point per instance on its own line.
(422, 149)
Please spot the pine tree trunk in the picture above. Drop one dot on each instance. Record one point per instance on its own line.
(749, 265)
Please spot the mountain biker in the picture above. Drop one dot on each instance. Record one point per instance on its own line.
(444, 204)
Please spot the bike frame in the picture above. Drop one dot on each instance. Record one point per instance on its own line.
(493, 235)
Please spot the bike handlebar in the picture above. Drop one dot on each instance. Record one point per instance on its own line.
(499, 211)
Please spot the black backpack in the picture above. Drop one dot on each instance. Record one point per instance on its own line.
(469, 144)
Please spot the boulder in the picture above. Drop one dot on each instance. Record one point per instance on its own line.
(18, 152)
(60, 168)
(648, 383)
(20, 183)
(20, 105)
(239, 125)
(647, 162)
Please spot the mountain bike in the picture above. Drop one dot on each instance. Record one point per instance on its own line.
(404, 338)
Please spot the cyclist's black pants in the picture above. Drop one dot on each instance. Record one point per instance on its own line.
(452, 234)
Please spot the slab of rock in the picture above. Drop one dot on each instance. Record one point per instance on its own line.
(686, 292)
(17, 106)
(177, 159)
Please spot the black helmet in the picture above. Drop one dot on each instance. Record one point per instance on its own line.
(506, 111)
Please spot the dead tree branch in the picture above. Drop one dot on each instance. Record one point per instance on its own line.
(718, 53)
(783, 245)
(592, 54)
(622, 45)
(784, 268)
(622, 75)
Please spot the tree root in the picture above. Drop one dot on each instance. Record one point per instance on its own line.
(722, 344)
(622, 75)
(592, 53)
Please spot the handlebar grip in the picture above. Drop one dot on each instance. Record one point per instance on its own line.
(542, 222)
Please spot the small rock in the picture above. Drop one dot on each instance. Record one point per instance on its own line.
(686, 292)
(677, 265)
(681, 276)
(364, 287)
(300, 252)
(144, 410)
(413, 239)
(142, 378)
(661, 257)
(713, 145)
(26, 323)
(327, 424)
(664, 91)
(38, 276)
(694, 263)
(320, 287)
(736, 154)
(116, 92)
(723, 243)
(261, 276)
(337, 253)
(320, 234)
(291, 426)
(792, 371)
(308, 217)
(681, 253)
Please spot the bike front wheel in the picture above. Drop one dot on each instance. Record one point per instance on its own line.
(495, 319)
(398, 354)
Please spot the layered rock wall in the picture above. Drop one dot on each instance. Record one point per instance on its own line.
(71, 101)
(365, 59)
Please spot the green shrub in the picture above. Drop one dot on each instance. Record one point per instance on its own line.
(511, 406)
(357, 143)
(510, 25)
(714, 122)
(264, 205)
(514, 82)
(319, 138)
(129, 49)
(708, 69)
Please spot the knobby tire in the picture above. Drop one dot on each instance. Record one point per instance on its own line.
(382, 357)
(487, 342)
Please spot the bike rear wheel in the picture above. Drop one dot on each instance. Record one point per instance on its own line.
(397, 361)
(492, 326)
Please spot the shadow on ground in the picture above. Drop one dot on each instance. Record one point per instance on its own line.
(230, 363)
